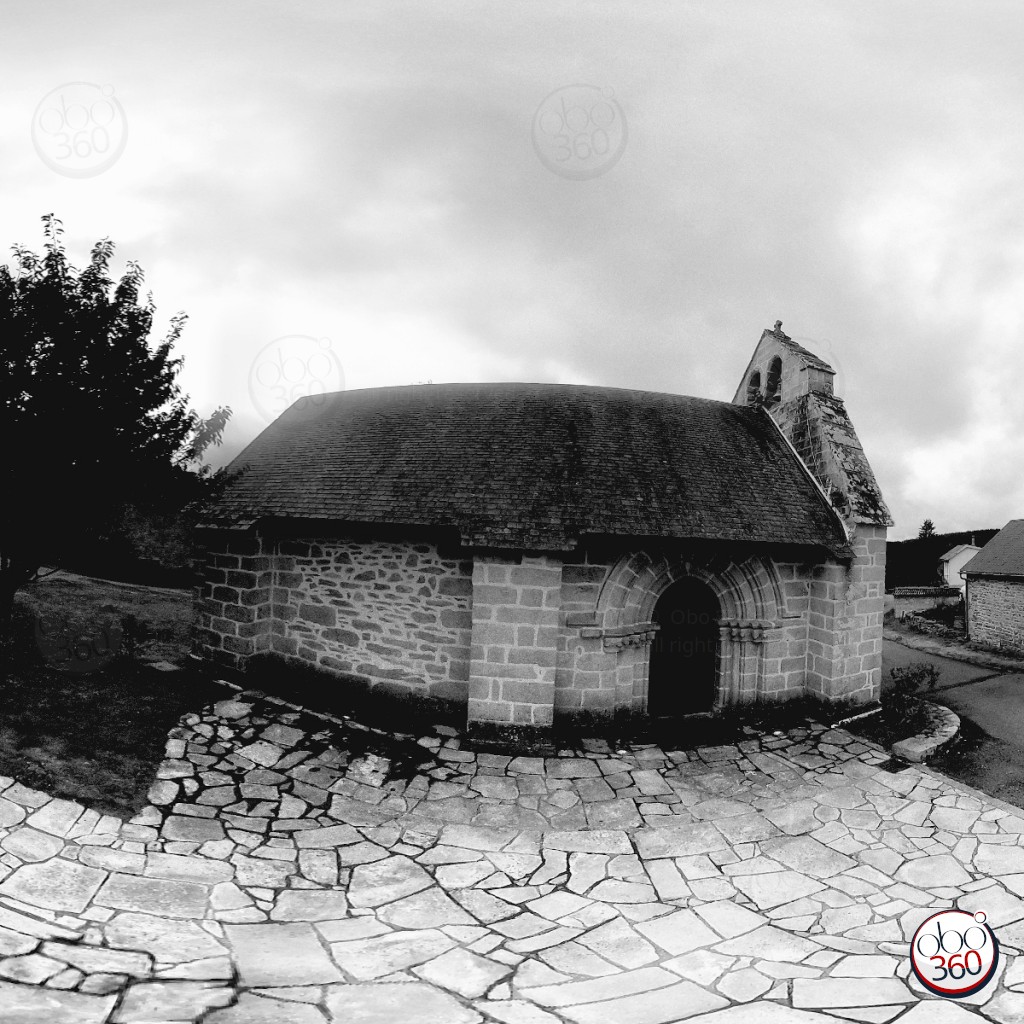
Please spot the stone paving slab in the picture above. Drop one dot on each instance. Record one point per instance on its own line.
(773, 880)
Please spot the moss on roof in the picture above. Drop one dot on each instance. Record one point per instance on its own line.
(1003, 555)
(532, 466)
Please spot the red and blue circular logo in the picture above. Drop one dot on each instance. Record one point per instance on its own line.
(954, 953)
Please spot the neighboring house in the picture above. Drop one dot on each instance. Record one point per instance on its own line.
(533, 552)
(953, 561)
(995, 590)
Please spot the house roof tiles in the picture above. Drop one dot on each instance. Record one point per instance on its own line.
(1003, 555)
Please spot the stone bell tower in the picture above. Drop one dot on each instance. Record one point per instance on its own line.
(795, 388)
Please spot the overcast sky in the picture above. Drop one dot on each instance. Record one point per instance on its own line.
(381, 193)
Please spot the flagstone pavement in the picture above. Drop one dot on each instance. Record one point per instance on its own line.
(270, 881)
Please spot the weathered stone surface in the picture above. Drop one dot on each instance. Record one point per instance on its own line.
(516, 1011)
(659, 1007)
(326, 838)
(166, 940)
(615, 890)
(380, 955)
(808, 856)
(595, 841)
(189, 869)
(412, 1002)
(680, 840)
(29, 845)
(795, 818)
(179, 827)
(255, 1009)
(679, 932)
(10, 813)
(170, 1000)
(171, 898)
(729, 919)
(774, 888)
(823, 993)
(279, 954)
(54, 884)
(463, 972)
(773, 1013)
(31, 969)
(386, 881)
(994, 860)
(938, 1012)
(22, 1004)
(268, 874)
(618, 942)
(769, 943)
(430, 908)
(262, 753)
(929, 872)
(99, 960)
(309, 905)
(56, 817)
(622, 985)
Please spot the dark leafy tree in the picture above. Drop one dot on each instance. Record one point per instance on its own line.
(94, 424)
(927, 530)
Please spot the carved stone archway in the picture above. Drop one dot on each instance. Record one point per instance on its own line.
(749, 594)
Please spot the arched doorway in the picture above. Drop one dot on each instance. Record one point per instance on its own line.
(683, 665)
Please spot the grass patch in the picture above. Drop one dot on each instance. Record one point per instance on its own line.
(99, 737)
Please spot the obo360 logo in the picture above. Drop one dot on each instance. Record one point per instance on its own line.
(295, 370)
(79, 129)
(579, 131)
(954, 953)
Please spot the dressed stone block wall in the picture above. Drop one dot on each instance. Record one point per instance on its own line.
(607, 629)
(514, 642)
(232, 607)
(844, 633)
(995, 612)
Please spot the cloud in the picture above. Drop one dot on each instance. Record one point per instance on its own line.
(366, 173)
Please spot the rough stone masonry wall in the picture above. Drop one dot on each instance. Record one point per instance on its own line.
(514, 645)
(396, 613)
(995, 609)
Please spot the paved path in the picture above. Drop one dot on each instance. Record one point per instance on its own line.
(991, 697)
(270, 881)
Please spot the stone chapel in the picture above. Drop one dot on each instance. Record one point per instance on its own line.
(531, 554)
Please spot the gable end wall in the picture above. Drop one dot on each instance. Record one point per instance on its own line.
(995, 612)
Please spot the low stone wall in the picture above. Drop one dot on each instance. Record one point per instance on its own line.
(995, 610)
(907, 600)
(942, 729)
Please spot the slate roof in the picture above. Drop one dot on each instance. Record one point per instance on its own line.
(1003, 555)
(532, 466)
(809, 357)
(953, 552)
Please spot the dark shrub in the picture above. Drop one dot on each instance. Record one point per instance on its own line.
(901, 704)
